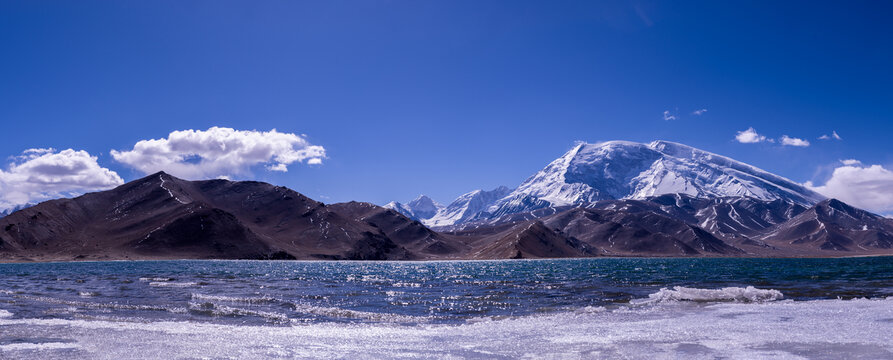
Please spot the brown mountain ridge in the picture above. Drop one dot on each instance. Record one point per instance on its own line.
(163, 217)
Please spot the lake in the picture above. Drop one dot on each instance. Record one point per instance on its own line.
(570, 308)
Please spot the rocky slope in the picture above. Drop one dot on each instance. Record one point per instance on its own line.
(682, 225)
(409, 234)
(161, 216)
(832, 226)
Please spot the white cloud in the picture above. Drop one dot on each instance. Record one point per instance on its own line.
(699, 112)
(792, 141)
(668, 116)
(832, 136)
(867, 187)
(36, 152)
(43, 174)
(216, 152)
(278, 167)
(749, 136)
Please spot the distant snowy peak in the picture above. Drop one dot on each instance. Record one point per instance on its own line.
(420, 209)
(400, 208)
(467, 207)
(423, 207)
(616, 170)
(628, 170)
(5, 212)
(586, 173)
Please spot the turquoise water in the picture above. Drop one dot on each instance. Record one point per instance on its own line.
(46, 307)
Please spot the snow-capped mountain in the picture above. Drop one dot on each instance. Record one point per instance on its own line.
(421, 208)
(467, 207)
(629, 170)
(400, 208)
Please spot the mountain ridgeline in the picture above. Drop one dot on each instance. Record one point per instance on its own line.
(608, 199)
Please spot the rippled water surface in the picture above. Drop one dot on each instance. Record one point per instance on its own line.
(424, 309)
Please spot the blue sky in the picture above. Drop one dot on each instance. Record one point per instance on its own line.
(444, 97)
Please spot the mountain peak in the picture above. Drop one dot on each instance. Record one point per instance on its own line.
(675, 149)
(423, 207)
(832, 205)
(467, 206)
(423, 201)
(159, 173)
(622, 169)
(155, 177)
(400, 208)
(618, 169)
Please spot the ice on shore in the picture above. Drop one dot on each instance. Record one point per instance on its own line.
(726, 294)
(825, 329)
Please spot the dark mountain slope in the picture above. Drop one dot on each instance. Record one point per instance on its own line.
(832, 226)
(637, 233)
(728, 218)
(528, 240)
(160, 216)
(409, 234)
(681, 225)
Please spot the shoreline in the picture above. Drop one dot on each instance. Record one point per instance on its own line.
(4, 261)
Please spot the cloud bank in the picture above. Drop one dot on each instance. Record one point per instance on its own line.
(699, 112)
(219, 152)
(867, 187)
(43, 174)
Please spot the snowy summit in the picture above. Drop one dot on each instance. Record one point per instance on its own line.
(421, 208)
(626, 170)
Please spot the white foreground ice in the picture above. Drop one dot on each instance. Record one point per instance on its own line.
(821, 329)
